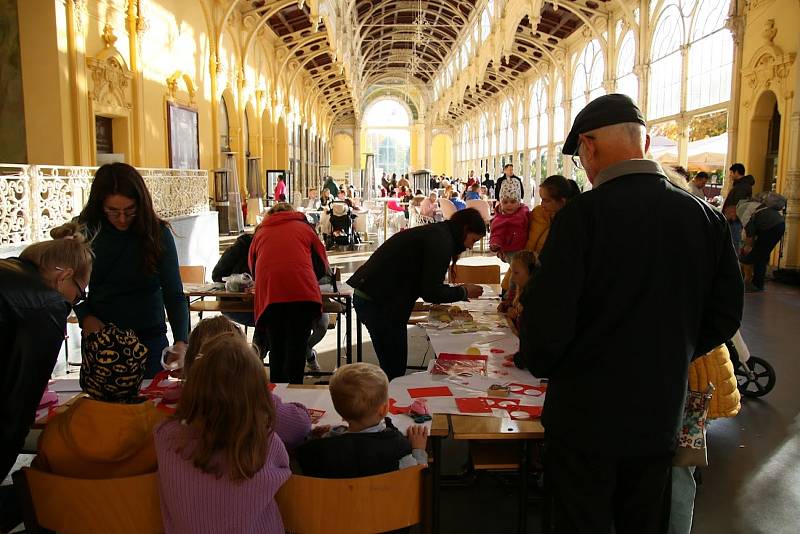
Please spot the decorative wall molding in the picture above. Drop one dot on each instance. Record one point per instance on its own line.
(768, 68)
(110, 78)
(36, 198)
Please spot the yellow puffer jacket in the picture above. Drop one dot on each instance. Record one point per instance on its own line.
(538, 229)
(716, 368)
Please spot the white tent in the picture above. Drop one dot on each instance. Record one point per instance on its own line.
(704, 154)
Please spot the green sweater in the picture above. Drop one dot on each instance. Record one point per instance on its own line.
(120, 292)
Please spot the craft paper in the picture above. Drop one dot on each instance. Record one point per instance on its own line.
(459, 364)
(523, 412)
(527, 389)
(473, 405)
(434, 391)
(315, 415)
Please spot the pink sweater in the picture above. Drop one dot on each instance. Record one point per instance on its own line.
(510, 232)
(193, 501)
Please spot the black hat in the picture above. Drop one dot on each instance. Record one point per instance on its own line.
(602, 111)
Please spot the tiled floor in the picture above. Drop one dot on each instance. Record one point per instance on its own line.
(753, 482)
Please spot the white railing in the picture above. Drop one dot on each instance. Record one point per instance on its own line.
(36, 198)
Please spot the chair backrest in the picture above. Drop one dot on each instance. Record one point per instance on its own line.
(85, 506)
(476, 274)
(482, 206)
(448, 208)
(193, 274)
(377, 503)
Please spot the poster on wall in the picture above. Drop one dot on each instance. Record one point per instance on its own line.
(184, 141)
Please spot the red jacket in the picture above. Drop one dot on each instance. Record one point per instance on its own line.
(280, 260)
(510, 232)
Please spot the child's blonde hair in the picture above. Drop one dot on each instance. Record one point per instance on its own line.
(68, 249)
(203, 332)
(527, 259)
(358, 389)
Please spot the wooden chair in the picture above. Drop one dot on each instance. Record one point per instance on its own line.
(476, 274)
(82, 506)
(485, 210)
(193, 274)
(364, 505)
(448, 208)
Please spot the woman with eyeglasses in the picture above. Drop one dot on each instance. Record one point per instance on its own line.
(37, 290)
(136, 274)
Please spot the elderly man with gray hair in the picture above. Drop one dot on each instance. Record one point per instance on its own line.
(621, 263)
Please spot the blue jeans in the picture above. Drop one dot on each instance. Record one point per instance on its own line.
(682, 503)
(388, 333)
(736, 235)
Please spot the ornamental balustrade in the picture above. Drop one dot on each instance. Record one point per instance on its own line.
(36, 198)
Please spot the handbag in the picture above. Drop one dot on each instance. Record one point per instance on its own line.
(692, 435)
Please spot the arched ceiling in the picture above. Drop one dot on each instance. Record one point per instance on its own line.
(409, 40)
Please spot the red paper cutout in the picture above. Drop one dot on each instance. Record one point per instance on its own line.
(435, 391)
(315, 415)
(497, 351)
(473, 405)
(458, 364)
(271, 386)
(527, 389)
(501, 403)
(395, 409)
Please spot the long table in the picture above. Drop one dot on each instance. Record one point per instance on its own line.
(496, 343)
(231, 301)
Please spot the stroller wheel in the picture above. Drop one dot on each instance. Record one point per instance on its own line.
(756, 378)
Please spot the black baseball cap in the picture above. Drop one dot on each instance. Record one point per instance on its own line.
(602, 111)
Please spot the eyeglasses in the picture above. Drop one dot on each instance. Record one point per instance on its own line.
(127, 213)
(577, 161)
(81, 297)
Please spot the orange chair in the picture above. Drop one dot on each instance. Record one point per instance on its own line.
(363, 505)
(81, 506)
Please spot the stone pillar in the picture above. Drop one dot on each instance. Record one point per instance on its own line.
(530, 194)
(355, 179)
(427, 147)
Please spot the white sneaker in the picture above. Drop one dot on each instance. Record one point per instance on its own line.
(312, 364)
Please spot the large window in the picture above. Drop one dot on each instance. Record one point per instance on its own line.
(666, 64)
(710, 56)
(558, 114)
(587, 82)
(627, 82)
(388, 136)
(483, 137)
(506, 134)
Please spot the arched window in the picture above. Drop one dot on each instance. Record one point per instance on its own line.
(505, 124)
(486, 25)
(537, 115)
(558, 114)
(587, 82)
(710, 56)
(246, 135)
(521, 126)
(483, 137)
(388, 135)
(666, 63)
(627, 82)
(224, 126)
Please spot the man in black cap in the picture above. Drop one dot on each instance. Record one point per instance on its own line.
(638, 277)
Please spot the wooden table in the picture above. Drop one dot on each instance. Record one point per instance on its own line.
(242, 302)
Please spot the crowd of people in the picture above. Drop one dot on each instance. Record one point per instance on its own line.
(601, 292)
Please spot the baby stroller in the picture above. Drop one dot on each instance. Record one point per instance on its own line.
(340, 231)
(755, 376)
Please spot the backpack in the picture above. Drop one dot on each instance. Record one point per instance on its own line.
(773, 200)
(746, 209)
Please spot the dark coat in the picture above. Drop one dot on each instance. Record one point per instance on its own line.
(354, 455)
(409, 265)
(234, 259)
(33, 318)
(742, 190)
(500, 183)
(638, 277)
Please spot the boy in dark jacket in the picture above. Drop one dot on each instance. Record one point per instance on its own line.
(369, 444)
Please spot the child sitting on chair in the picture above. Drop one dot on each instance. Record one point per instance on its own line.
(523, 266)
(220, 463)
(370, 444)
(292, 422)
(109, 432)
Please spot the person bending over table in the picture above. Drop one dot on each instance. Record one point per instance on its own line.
(410, 265)
(136, 272)
(287, 296)
(36, 292)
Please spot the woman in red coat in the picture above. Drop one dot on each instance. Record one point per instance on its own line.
(287, 295)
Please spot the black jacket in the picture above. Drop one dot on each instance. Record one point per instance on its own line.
(410, 265)
(503, 179)
(638, 277)
(354, 455)
(742, 190)
(234, 259)
(32, 321)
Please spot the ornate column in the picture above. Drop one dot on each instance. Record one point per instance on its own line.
(735, 25)
(356, 178)
(526, 158)
(428, 144)
(77, 20)
(137, 26)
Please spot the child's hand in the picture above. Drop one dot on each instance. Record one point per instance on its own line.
(319, 431)
(418, 436)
